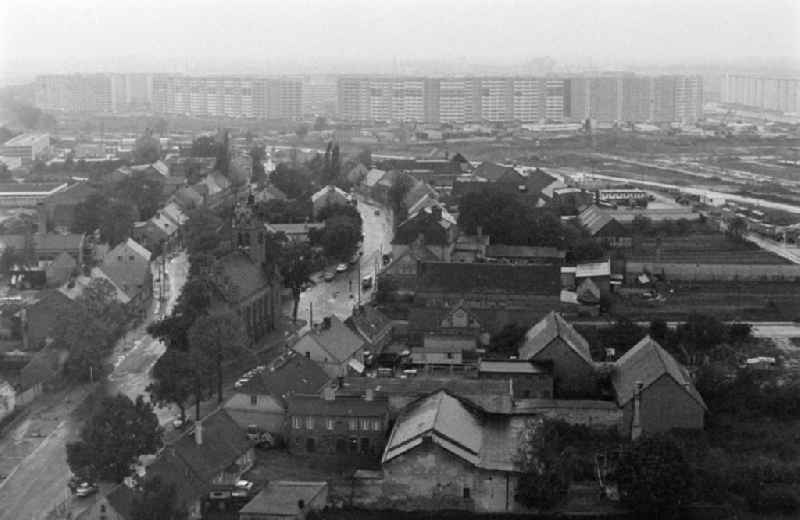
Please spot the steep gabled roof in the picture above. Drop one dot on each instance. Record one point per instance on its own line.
(493, 172)
(548, 329)
(442, 418)
(290, 373)
(647, 362)
(588, 292)
(280, 499)
(433, 223)
(327, 190)
(369, 322)
(336, 339)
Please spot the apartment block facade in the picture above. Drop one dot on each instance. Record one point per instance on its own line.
(94, 93)
(771, 93)
(522, 99)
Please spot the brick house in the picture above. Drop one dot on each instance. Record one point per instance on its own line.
(333, 346)
(649, 379)
(444, 453)
(215, 452)
(127, 265)
(554, 342)
(432, 228)
(337, 423)
(605, 228)
(262, 400)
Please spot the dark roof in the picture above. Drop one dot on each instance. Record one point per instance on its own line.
(369, 322)
(121, 499)
(191, 467)
(290, 373)
(428, 223)
(494, 172)
(647, 362)
(44, 366)
(537, 181)
(344, 405)
(74, 194)
(236, 277)
(599, 223)
(542, 279)
(425, 319)
(38, 187)
(281, 498)
(56, 242)
(335, 338)
(507, 251)
(549, 328)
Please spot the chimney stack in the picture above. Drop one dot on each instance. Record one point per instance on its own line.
(436, 211)
(636, 423)
(198, 433)
(301, 504)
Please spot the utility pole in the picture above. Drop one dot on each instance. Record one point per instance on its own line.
(310, 314)
(358, 283)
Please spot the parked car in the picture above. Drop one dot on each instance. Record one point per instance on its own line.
(341, 268)
(262, 439)
(85, 489)
(366, 282)
(179, 424)
(329, 276)
(242, 488)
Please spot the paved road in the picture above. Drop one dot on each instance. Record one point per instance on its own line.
(37, 481)
(787, 251)
(334, 297)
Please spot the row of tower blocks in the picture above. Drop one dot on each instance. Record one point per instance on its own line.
(524, 99)
(382, 98)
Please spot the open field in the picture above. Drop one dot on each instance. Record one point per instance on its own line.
(702, 247)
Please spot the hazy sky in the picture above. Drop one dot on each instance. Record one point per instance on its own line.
(58, 35)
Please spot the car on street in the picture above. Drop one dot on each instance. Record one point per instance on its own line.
(329, 276)
(181, 424)
(366, 282)
(341, 268)
(242, 488)
(85, 489)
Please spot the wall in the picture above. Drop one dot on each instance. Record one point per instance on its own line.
(430, 477)
(572, 376)
(600, 414)
(714, 272)
(665, 405)
(338, 440)
(267, 413)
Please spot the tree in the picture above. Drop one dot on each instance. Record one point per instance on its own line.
(204, 146)
(659, 330)
(622, 335)
(586, 249)
(737, 228)
(223, 152)
(173, 380)
(641, 224)
(87, 344)
(294, 182)
(200, 231)
(284, 211)
(507, 341)
(219, 338)
(147, 149)
(118, 219)
(340, 237)
(699, 334)
(257, 154)
(143, 191)
(654, 477)
(365, 157)
(546, 464)
(296, 264)
(100, 300)
(739, 332)
(157, 501)
(117, 433)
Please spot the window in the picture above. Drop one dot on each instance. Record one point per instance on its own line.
(364, 425)
(352, 425)
(311, 445)
(308, 355)
(329, 424)
(119, 258)
(376, 425)
(253, 400)
(102, 508)
(364, 445)
(297, 423)
(309, 423)
(130, 258)
(466, 492)
(353, 445)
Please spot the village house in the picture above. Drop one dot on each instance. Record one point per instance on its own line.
(445, 453)
(419, 197)
(433, 229)
(127, 265)
(329, 196)
(332, 345)
(187, 198)
(655, 392)
(402, 269)
(295, 232)
(61, 269)
(470, 248)
(215, 452)
(535, 288)
(60, 206)
(39, 318)
(338, 424)
(554, 342)
(528, 379)
(286, 500)
(588, 278)
(261, 399)
(605, 228)
(370, 181)
(267, 193)
(441, 336)
(113, 504)
(372, 325)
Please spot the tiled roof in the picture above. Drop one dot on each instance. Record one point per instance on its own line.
(56, 242)
(191, 467)
(173, 211)
(549, 328)
(290, 373)
(236, 277)
(646, 362)
(343, 404)
(281, 498)
(369, 322)
(81, 282)
(494, 172)
(188, 197)
(373, 176)
(417, 192)
(518, 366)
(131, 277)
(336, 339)
(432, 223)
(121, 499)
(457, 277)
(595, 219)
(507, 251)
